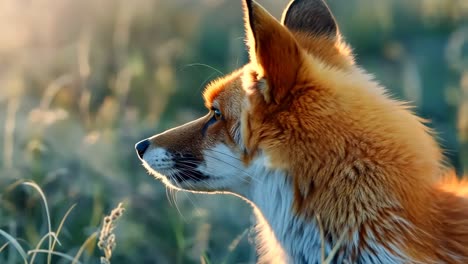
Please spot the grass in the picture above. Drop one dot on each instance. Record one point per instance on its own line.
(106, 242)
(107, 239)
(29, 256)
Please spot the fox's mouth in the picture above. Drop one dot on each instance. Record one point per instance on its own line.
(179, 175)
(185, 168)
(175, 167)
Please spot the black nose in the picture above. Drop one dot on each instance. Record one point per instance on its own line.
(141, 147)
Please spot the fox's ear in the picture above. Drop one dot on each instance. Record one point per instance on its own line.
(272, 50)
(311, 17)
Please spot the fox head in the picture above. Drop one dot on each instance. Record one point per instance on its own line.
(301, 106)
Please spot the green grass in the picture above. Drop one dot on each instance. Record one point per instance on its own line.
(28, 255)
(106, 242)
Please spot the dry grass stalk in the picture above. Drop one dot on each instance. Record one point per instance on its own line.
(107, 241)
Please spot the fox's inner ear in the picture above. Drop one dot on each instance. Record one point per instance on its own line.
(272, 50)
(311, 17)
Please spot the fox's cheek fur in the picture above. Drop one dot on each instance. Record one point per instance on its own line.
(203, 155)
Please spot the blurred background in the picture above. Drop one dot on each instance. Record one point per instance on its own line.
(82, 81)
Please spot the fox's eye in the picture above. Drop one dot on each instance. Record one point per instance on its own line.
(217, 114)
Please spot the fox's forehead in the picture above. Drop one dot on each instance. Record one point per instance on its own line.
(225, 93)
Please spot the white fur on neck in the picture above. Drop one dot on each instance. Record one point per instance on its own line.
(282, 237)
(286, 238)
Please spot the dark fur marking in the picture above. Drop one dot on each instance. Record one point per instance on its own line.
(208, 124)
(185, 164)
(310, 16)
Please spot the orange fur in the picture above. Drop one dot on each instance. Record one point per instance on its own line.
(450, 183)
(357, 158)
(229, 85)
(332, 50)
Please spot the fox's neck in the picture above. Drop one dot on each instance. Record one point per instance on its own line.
(281, 237)
(295, 239)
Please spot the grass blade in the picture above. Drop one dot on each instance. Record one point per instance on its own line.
(61, 225)
(335, 249)
(41, 193)
(80, 251)
(4, 246)
(234, 245)
(40, 243)
(15, 243)
(50, 252)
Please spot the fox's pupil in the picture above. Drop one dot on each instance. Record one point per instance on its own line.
(217, 113)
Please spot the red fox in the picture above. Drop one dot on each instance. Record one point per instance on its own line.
(329, 162)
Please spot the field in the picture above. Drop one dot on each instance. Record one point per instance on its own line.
(82, 81)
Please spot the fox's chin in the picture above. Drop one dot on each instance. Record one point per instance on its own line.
(191, 181)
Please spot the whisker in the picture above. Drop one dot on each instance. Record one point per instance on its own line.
(204, 65)
(205, 80)
(229, 164)
(186, 194)
(186, 174)
(171, 173)
(226, 154)
(168, 197)
(243, 179)
(193, 203)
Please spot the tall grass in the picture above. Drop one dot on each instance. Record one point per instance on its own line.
(82, 81)
(28, 255)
